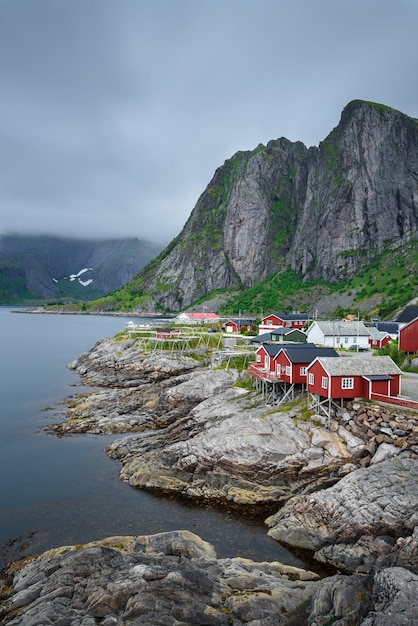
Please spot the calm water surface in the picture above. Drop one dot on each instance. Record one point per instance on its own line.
(66, 491)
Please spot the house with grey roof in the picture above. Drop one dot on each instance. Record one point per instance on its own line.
(339, 334)
(353, 377)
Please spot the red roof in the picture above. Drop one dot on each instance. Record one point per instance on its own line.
(202, 316)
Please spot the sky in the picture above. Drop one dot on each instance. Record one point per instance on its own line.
(115, 114)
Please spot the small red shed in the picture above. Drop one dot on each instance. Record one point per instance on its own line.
(237, 326)
(353, 377)
(167, 333)
(378, 338)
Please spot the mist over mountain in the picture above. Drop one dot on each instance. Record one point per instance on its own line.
(46, 267)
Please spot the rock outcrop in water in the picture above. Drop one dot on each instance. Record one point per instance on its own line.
(175, 579)
(368, 520)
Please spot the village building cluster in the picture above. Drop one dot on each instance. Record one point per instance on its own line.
(330, 361)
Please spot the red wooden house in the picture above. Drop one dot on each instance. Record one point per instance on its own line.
(167, 333)
(355, 377)
(378, 338)
(264, 367)
(237, 326)
(292, 361)
(286, 362)
(287, 320)
(408, 337)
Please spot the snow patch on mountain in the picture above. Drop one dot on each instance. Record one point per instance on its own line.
(83, 271)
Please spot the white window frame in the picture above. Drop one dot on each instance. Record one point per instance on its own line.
(345, 339)
(258, 359)
(311, 379)
(347, 383)
(288, 370)
(324, 382)
(303, 371)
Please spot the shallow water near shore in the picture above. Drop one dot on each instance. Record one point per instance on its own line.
(62, 491)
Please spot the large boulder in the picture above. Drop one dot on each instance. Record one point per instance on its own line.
(364, 521)
(171, 579)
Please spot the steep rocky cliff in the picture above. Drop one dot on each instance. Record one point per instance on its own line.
(323, 211)
(361, 194)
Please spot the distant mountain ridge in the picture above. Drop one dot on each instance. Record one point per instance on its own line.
(46, 267)
(325, 212)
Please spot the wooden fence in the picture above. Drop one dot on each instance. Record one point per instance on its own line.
(408, 404)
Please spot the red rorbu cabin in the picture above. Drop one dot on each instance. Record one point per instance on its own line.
(264, 367)
(292, 361)
(353, 377)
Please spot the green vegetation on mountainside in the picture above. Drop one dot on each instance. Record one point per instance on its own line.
(283, 291)
(393, 276)
(13, 288)
(383, 288)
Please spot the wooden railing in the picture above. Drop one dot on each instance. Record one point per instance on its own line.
(262, 374)
(408, 404)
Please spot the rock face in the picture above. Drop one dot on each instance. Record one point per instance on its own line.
(366, 521)
(175, 579)
(387, 599)
(324, 211)
(172, 579)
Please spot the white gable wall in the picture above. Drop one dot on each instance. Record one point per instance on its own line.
(315, 335)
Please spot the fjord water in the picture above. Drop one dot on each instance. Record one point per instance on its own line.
(62, 491)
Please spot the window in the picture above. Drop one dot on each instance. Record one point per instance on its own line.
(269, 322)
(311, 379)
(258, 358)
(303, 371)
(324, 383)
(345, 339)
(287, 370)
(278, 368)
(283, 369)
(347, 383)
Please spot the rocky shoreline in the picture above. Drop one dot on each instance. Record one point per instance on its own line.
(347, 491)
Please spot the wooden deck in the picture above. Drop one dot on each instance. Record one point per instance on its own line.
(262, 374)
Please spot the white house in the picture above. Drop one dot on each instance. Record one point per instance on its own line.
(196, 318)
(338, 334)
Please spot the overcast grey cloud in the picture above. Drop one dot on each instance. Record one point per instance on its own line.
(114, 114)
